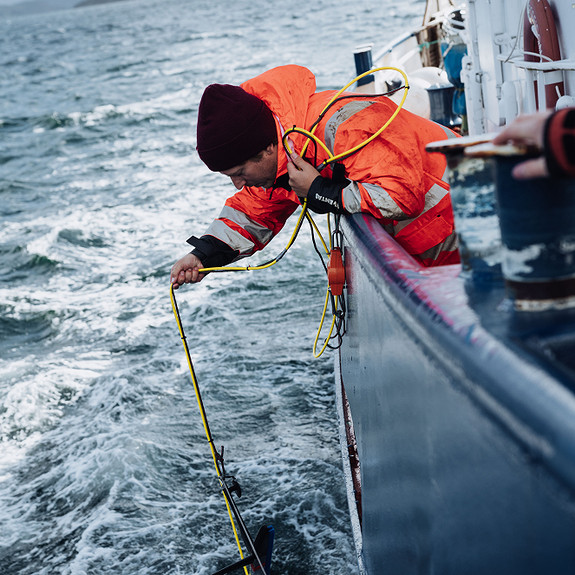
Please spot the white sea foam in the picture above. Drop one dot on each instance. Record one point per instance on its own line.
(105, 467)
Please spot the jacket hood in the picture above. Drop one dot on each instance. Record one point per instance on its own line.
(286, 90)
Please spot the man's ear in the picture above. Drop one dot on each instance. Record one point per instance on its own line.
(270, 149)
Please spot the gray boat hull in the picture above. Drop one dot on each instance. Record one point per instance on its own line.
(465, 427)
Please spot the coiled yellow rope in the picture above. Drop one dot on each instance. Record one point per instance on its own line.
(304, 213)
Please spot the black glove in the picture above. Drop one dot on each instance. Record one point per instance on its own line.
(325, 196)
(212, 252)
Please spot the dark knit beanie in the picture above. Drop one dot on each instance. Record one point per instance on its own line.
(233, 126)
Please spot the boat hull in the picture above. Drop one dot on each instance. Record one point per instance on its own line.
(465, 431)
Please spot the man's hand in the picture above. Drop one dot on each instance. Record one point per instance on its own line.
(185, 271)
(301, 175)
(526, 130)
(536, 168)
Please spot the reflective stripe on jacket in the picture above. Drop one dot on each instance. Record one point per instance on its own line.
(393, 177)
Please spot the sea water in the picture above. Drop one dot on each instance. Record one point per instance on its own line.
(104, 465)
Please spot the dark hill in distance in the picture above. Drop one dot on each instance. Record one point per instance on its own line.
(40, 6)
(94, 2)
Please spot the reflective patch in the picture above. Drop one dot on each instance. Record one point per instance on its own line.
(449, 244)
(261, 234)
(383, 202)
(234, 239)
(351, 198)
(449, 133)
(339, 117)
(435, 194)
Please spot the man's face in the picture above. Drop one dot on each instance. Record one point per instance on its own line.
(256, 172)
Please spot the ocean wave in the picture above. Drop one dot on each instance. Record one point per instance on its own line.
(19, 265)
(81, 239)
(33, 396)
(15, 124)
(166, 108)
(18, 328)
(105, 467)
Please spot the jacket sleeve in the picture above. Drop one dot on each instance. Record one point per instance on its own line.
(390, 195)
(559, 143)
(390, 177)
(246, 224)
(387, 174)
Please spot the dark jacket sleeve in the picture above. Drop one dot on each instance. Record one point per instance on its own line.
(559, 143)
(324, 196)
(212, 252)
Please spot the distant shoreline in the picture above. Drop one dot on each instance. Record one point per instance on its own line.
(93, 2)
(42, 6)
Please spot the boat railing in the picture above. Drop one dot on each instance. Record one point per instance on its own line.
(420, 46)
(392, 46)
(542, 74)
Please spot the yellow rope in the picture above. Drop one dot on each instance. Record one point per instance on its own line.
(311, 134)
(204, 418)
(265, 265)
(316, 229)
(331, 159)
(325, 343)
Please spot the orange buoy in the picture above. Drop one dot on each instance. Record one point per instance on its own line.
(336, 272)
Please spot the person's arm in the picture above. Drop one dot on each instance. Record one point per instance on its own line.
(207, 249)
(390, 197)
(553, 133)
(396, 183)
(559, 143)
(246, 224)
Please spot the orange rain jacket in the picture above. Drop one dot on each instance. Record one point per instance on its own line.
(393, 177)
